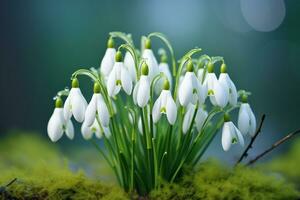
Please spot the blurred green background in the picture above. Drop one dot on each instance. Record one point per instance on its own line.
(43, 42)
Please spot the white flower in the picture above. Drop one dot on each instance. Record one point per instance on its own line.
(141, 92)
(228, 85)
(166, 105)
(201, 76)
(200, 118)
(150, 59)
(57, 124)
(87, 131)
(231, 135)
(189, 89)
(163, 68)
(97, 106)
(119, 78)
(108, 60)
(130, 65)
(75, 103)
(246, 120)
(188, 117)
(216, 91)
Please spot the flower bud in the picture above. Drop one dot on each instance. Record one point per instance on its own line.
(75, 83)
(96, 88)
(226, 117)
(145, 69)
(164, 58)
(223, 68)
(110, 43)
(119, 56)
(210, 67)
(190, 66)
(58, 103)
(148, 43)
(244, 98)
(166, 85)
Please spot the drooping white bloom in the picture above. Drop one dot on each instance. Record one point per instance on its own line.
(57, 124)
(216, 91)
(87, 131)
(165, 105)
(246, 120)
(231, 135)
(228, 85)
(200, 118)
(189, 87)
(141, 92)
(130, 65)
(75, 103)
(188, 117)
(108, 59)
(150, 59)
(97, 106)
(163, 68)
(119, 78)
(201, 75)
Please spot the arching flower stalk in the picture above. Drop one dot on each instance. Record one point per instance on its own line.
(148, 135)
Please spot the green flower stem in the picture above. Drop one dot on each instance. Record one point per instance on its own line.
(168, 44)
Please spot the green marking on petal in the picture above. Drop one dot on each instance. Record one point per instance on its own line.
(234, 140)
(163, 110)
(118, 82)
(210, 92)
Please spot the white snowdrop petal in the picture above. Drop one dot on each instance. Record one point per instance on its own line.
(200, 118)
(185, 92)
(151, 62)
(171, 110)
(126, 81)
(239, 136)
(233, 94)
(156, 114)
(79, 105)
(143, 93)
(243, 120)
(107, 132)
(55, 125)
(220, 94)
(108, 61)
(188, 118)
(134, 93)
(164, 68)
(68, 107)
(130, 65)
(102, 111)
(226, 137)
(69, 130)
(90, 112)
(111, 83)
(252, 127)
(86, 131)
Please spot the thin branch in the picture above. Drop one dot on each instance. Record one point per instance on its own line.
(275, 145)
(11, 182)
(245, 153)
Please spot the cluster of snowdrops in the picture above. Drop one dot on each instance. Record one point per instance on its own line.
(153, 117)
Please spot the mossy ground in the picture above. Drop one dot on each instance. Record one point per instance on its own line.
(43, 173)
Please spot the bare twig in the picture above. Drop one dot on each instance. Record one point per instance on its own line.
(276, 144)
(245, 153)
(11, 182)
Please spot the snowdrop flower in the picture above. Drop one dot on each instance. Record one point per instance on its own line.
(130, 65)
(216, 91)
(163, 68)
(98, 107)
(228, 85)
(230, 134)
(201, 75)
(87, 131)
(246, 119)
(141, 92)
(57, 124)
(189, 87)
(75, 103)
(108, 60)
(200, 118)
(150, 59)
(165, 104)
(119, 78)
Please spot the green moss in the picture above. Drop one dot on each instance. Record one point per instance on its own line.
(214, 181)
(288, 164)
(42, 173)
